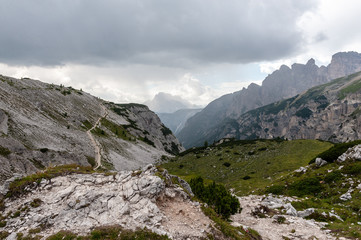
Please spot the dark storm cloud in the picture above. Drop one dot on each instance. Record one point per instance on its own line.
(178, 32)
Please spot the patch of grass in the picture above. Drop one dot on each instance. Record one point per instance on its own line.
(118, 130)
(4, 151)
(280, 157)
(19, 186)
(38, 164)
(4, 234)
(228, 230)
(99, 132)
(87, 125)
(91, 161)
(352, 88)
(280, 219)
(276, 189)
(110, 233)
(306, 186)
(36, 203)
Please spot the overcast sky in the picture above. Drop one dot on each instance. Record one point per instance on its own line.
(129, 50)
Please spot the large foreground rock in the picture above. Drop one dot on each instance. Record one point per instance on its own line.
(130, 199)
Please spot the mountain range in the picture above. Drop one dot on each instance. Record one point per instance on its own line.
(281, 84)
(328, 112)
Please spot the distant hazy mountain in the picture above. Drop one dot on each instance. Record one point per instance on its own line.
(175, 121)
(331, 112)
(283, 83)
(167, 103)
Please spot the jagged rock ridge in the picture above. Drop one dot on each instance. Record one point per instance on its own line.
(329, 112)
(44, 124)
(283, 83)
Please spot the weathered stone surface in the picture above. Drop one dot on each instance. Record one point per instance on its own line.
(353, 153)
(320, 162)
(130, 199)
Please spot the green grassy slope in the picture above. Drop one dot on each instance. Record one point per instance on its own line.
(321, 188)
(246, 165)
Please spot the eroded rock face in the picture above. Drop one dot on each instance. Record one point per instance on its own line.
(329, 112)
(353, 154)
(130, 199)
(219, 117)
(44, 124)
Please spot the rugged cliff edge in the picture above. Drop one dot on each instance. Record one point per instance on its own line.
(44, 124)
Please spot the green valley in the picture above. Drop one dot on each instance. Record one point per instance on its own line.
(246, 165)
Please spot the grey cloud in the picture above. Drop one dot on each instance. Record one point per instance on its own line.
(157, 32)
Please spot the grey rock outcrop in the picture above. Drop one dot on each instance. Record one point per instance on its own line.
(353, 153)
(44, 124)
(137, 199)
(219, 117)
(319, 162)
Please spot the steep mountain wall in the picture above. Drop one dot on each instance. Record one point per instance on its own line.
(283, 83)
(329, 112)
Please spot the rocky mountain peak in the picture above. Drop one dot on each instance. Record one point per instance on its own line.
(344, 63)
(311, 62)
(283, 83)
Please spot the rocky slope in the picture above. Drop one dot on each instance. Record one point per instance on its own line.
(81, 202)
(176, 121)
(283, 83)
(43, 124)
(329, 112)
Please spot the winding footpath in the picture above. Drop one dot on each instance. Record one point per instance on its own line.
(97, 146)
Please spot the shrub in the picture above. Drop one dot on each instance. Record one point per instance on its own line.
(246, 177)
(276, 189)
(4, 151)
(333, 176)
(304, 113)
(307, 186)
(280, 219)
(352, 169)
(36, 203)
(216, 196)
(226, 164)
(44, 150)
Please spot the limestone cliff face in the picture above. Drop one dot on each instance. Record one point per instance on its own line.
(44, 124)
(329, 112)
(281, 84)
